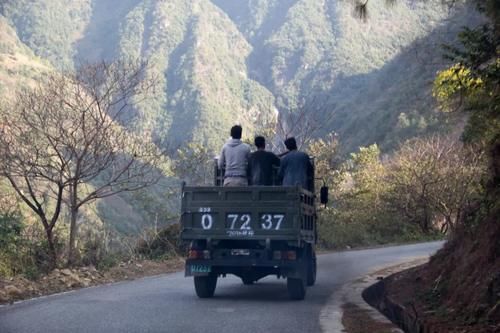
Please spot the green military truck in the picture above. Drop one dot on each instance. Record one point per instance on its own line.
(250, 232)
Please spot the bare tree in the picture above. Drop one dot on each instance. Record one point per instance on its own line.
(304, 123)
(194, 163)
(327, 161)
(71, 126)
(435, 177)
(26, 162)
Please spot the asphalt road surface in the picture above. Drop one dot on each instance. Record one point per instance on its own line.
(168, 303)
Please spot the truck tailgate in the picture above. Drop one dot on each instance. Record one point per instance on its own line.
(257, 212)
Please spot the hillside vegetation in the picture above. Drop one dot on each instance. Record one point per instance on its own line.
(18, 64)
(458, 290)
(223, 62)
(362, 88)
(219, 62)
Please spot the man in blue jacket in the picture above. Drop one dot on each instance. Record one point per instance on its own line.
(234, 159)
(295, 168)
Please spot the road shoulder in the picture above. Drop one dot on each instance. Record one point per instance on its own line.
(347, 311)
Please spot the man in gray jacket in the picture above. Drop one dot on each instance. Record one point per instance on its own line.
(234, 159)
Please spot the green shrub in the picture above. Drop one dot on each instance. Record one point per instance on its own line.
(335, 233)
(10, 243)
(108, 261)
(165, 244)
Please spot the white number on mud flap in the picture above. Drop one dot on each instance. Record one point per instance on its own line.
(272, 221)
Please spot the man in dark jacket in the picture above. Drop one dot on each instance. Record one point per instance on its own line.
(261, 164)
(295, 167)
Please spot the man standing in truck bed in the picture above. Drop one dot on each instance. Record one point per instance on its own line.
(295, 167)
(261, 164)
(234, 159)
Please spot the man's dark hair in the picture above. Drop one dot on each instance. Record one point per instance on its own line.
(260, 142)
(236, 132)
(291, 144)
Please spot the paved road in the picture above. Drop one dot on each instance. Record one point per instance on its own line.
(168, 303)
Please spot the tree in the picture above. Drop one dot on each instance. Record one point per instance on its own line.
(304, 123)
(433, 178)
(472, 85)
(367, 174)
(194, 163)
(326, 159)
(27, 163)
(359, 188)
(67, 134)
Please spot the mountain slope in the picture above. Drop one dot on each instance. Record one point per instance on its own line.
(373, 78)
(319, 40)
(49, 28)
(202, 56)
(222, 62)
(18, 64)
(396, 99)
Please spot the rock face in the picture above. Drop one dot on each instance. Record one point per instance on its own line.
(3, 297)
(81, 277)
(13, 291)
(56, 281)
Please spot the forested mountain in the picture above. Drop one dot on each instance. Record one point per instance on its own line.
(222, 62)
(18, 63)
(226, 61)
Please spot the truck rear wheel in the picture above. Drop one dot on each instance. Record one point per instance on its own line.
(205, 285)
(311, 269)
(247, 280)
(296, 288)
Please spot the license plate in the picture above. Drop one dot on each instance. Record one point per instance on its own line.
(200, 269)
(240, 252)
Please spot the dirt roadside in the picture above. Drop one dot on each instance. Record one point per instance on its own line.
(61, 280)
(419, 295)
(459, 289)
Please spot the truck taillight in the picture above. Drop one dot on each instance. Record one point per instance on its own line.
(199, 254)
(291, 255)
(193, 254)
(284, 255)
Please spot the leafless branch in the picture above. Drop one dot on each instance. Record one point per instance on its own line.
(69, 131)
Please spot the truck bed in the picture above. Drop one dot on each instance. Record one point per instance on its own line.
(266, 213)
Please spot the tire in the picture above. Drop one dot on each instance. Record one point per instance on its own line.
(247, 280)
(205, 285)
(311, 269)
(296, 288)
